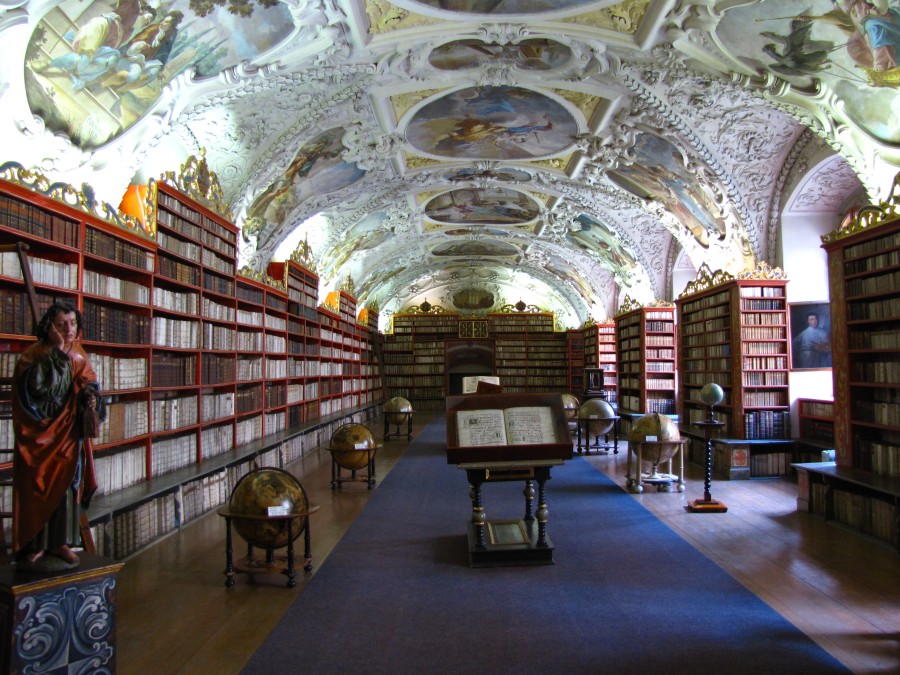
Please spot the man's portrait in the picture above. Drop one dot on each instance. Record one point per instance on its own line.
(810, 335)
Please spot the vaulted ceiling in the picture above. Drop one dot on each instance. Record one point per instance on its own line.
(473, 153)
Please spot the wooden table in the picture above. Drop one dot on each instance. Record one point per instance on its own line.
(522, 541)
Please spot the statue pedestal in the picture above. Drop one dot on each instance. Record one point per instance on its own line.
(61, 621)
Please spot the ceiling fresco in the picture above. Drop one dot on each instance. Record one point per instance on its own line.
(566, 153)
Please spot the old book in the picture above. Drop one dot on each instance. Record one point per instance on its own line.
(527, 425)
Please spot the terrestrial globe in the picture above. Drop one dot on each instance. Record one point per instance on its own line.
(599, 415)
(712, 394)
(351, 446)
(397, 410)
(255, 494)
(662, 429)
(570, 406)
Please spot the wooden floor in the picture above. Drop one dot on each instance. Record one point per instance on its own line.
(176, 616)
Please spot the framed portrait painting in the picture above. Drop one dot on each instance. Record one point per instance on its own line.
(810, 335)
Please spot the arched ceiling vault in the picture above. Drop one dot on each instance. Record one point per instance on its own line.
(472, 152)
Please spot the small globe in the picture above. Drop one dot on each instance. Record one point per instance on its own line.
(658, 428)
(600, 415)
(712, 394)
(351, 445)
(570, 406)
(255, 494)
(397, 409)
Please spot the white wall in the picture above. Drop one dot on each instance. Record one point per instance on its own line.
(805, 262)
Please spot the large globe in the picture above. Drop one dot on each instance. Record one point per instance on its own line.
(599, 415)
(351, 445)
(397, 409)
(570, 406)
(258, 492)
(659, 428)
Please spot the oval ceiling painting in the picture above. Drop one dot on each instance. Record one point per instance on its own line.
(316, 169)
(659, 172)
(505, 6)
(534, 54)
(475, 248)
(598, 238)
(92, 69)
(487, 206)
(492, 123)
(473, 299)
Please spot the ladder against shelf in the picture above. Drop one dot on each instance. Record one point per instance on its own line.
(733, 331)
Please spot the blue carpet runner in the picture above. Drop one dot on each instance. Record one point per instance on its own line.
(626, 593)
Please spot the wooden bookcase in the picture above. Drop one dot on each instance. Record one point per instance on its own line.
(530, 356)
(576, 351)
(600, 353)
(816, 428)
(645, 348)
(734, 332)
(862, 490)
(197, 363)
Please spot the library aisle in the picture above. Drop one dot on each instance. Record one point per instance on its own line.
(176, 616)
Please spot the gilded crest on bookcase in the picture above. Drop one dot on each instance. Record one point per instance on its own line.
(348, 286)
(84, 199)
(425, 308)
(870, 216)
(762, 272)
(521, 307)
(706, 279)
(628, 305)
(263, 278)
(303, 255)
(196, 181)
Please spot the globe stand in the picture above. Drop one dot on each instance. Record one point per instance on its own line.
(583, 425)
(664, 482)
(708, 505)
(394, 417)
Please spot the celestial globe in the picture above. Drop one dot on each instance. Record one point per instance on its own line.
(599, 414)
(570, 406)
(259, 493)
(397, 409)
(352, 445)
(712, 394)
(659, 428)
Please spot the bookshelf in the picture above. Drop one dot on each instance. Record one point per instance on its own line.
(734, 331)
(645, 350)
(600, 354)
(529, 356)
(205, 370)
(816, 427)
(576, 352)
(862, 488)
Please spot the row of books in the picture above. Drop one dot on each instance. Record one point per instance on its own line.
(124, 420)
(706, 301)
(874, 339)
(762, 291)
(185, 303)
(864, 513)
(878, 283)
(766, 399)
(46, 272)
(761, 305)
(15, 317)
(886, 372)
(34, 220)
(763, 424)
(178, 246)
(764, 378)
(109, 247)
(699, 379)
(763, 318)
(120, 469)
(172, 453)
(103, 323)
(770, 463)
(889, 308)
(697, 327)
(96, 283)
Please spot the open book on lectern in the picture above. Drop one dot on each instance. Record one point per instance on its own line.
(526, 425)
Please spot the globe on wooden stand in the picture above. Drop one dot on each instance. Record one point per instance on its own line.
(353, 448)
(655, 439)
(570, 406)
(596, 418)
(269, 509)
(397, 411)
(712, 395)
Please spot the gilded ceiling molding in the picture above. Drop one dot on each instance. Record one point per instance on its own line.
(403, 103)
(622, 18)
(386, 18)
(586, 103)
(418, 162)
(870, 217)
(84, 199)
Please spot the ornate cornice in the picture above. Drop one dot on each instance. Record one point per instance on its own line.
(628, 305)
(83, 199)
(869, 217)
(705, 280)
(762, 272)
(261, 277)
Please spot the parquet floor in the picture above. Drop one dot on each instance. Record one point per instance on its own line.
(176, 616)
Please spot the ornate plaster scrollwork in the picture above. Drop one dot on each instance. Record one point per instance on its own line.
(370, 149)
